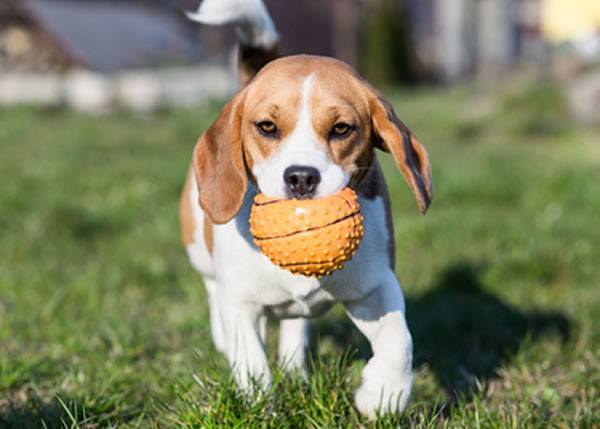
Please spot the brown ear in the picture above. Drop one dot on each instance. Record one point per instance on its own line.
(392, 136)
(219, 167)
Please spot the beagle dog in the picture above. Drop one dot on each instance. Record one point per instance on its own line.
(300, 127)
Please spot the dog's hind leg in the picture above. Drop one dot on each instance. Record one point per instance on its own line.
(293, 339)
(256, 33)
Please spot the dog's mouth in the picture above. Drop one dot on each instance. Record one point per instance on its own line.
(291, 196)
(286, 194)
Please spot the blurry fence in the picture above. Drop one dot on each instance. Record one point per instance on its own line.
(140, 91)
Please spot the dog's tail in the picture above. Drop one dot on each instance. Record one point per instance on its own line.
(256, 33)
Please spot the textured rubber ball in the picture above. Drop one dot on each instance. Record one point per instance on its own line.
(312, 237)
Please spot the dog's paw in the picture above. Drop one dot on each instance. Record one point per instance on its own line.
(378, 397)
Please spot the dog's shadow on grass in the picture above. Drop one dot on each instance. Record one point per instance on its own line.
(461, 332)
(27, 409)
(35, 412)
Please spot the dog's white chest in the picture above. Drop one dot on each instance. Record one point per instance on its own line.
(281, 292)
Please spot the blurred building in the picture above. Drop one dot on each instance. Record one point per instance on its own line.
(25, 45)
(103, 35)
(462, 38)
(451, 39)
(114, 35)
(443, 40)
(144, 53)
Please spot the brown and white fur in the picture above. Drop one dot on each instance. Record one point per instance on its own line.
(304, 97)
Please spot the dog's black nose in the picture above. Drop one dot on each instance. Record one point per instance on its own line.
(301, 181)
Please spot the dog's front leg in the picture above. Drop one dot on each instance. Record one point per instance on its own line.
(244, 344)
(293, 338)
(387, 377)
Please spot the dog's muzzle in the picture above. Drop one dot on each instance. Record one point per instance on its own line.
(301, 181)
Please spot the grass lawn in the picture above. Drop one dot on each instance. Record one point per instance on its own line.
(103, 322)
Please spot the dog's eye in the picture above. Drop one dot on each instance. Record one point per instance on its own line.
(340, 130)
(267, 129)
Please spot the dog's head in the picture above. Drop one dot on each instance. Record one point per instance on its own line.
(305, 127)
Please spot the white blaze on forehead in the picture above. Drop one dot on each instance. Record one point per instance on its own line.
(304, 130)
(301, 148)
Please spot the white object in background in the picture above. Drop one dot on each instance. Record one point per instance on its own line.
(30, 89)
(139, 91)
(88, 92)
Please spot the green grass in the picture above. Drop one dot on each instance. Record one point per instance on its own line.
(103, 323)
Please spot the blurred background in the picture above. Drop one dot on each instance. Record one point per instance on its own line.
(104, 323)
(144, 54)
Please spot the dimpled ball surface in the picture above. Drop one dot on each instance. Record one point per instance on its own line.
(312, 237)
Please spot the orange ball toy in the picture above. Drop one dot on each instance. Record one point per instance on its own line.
(312, 237)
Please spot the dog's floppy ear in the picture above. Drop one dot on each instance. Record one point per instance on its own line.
(392, 136)
(218, 163)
